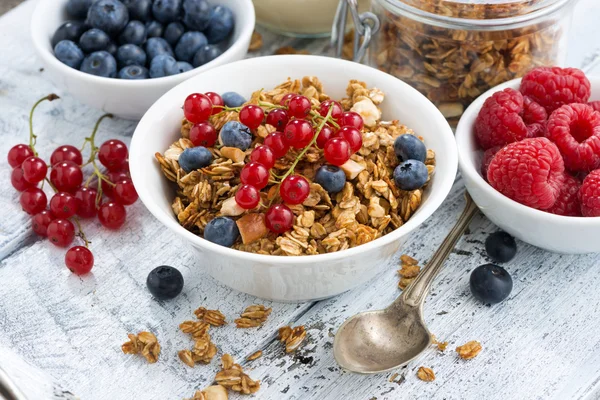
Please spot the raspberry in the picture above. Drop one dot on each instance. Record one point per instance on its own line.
(501, 119)
(529, 172)
(553, 87)
(488, 156)
(575, 128)
(535, 117)
(567, 202)
(589, 195)
(595, 105)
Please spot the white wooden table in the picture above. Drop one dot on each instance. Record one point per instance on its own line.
(60, 333)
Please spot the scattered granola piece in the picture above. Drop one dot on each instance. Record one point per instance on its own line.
(213, 317)
(469, 350)
(408, 272)
(393, 377)
(425, 374)
(254, 356)
(256, 42)
(292, 337)
(404, 282)
(233, 377)
(215, 392)
(186, 357)
(204, 349)
(253, 316)
(289, 50)
(144, 343)
(405, 259)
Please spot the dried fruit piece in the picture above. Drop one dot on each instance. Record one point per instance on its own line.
(469, 350)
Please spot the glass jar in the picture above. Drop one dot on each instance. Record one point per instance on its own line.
(453, 51)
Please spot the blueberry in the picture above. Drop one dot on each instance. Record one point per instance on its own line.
(181, 67)
(166, 11)
(69, 53)
(222, 231)
(236, 134)
(140, 10)
(206, 54)
(157, 46)
(194, 158)
(501, 247)
(130, 54)
(409, 147)
(490, 283)
(154, 29)
(133, 72)
(112, 49)
(220, 25)
(410, 175)
(70, 30)
(196, 14)
(78, 9)
(188, 45)
(165, 282)
(111, 16)
(173, 33)
(162, 65)
(94, 40)
(134, 33)
(233, 99)
(331, 178)
(100, 63)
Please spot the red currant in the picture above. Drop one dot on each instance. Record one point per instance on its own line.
(252, 116)
(113, 177)
(124, 192)
(61, 232)
(125, 167)
(33, 200)
(66, 153)
(337, 151)
(66, 176)
(279, 218)
(298, 133)
(203, 134)
(350, 118)
(79, 260)
(276, 141)
(63, 205)
(263, 154)
(86, 202)
(40, 222)
(19, 153)
(217, 102)
(34, 169)
(352, 136)
(113, 154)
(112, 215)
(294, 189)
(325, 134)
(278, 118)
(299, 106)
(255, 174)
(18, 181)
(286, 99)
(335, 113)
(197, 108)
(247, 197)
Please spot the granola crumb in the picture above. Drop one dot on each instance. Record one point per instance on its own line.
(292, 337)
(254, 356)
(233, 377)
(409, 271)
(213, 317)
(405, 259)
(441, 346)
(253, 316)
(426, 374)
(469, 350)
(144, 343)
(393, 377)
(256, 42)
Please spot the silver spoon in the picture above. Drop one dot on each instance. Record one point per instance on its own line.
(378, 341)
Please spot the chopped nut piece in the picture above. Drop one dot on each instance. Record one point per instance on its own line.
(252, 227)
(144, 343)
(469, 350)
(256, 42)
(426, 374)
(230, 208)
(253, 316)
(351, 168)
(213, 317)
(233, 377)
(233, 153)
(254, 356)
(292, 337)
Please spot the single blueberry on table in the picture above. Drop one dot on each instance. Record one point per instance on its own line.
(188, 45)
(410, 175)
(236, 134)
(409, 147)
(331, 178)
(100, 63)
(70, 30)
(220, 25)
(206, 54)
(501, 247)
(490, 283)
(94, 40)
(162, 66)
(194, 158)
(111, 16)
(166, 11)
(133, 72)
(165, 282)
(196, 14)
(157, 46)
(233, 99)
(69, 53)
(130, 54)
(173, 33)
(134, 33)
(78, 9)
(140, 10)
(154, 29)
(112, 49)
(222, 231)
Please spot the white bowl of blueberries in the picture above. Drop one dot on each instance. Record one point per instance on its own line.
(122, 55)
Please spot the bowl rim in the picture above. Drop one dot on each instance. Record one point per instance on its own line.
(465, 138)
(430, 206)
(44, 49)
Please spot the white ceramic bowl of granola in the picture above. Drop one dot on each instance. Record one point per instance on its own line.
(556, 233)
(299, 278)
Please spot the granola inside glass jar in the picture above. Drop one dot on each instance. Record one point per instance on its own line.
(453, 51)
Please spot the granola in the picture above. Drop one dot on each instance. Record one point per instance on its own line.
(469, 350)
(292, 338)
(233, 377)
(425, 374)
(212, 317)
(144, 343)
(408, 272)
(254, 356)
(253, 316)
(215, 392)
(204, 349)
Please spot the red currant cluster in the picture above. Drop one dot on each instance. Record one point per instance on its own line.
(73, 198)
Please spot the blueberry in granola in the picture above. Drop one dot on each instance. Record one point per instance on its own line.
(410, 175)
(409, 147)
(490, 283)
(222, 231)
(233, 99)
(501, 247)
(195, 158)
(236, 134)
(332, 178)
(165, 282)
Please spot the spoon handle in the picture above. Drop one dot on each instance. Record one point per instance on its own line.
(415, 294)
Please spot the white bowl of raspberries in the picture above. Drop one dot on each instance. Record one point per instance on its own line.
(529, 151)
(122, 55)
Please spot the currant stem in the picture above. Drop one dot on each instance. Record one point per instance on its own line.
(81, 234)
(32, 136)
(92, 160)
(50, 184)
